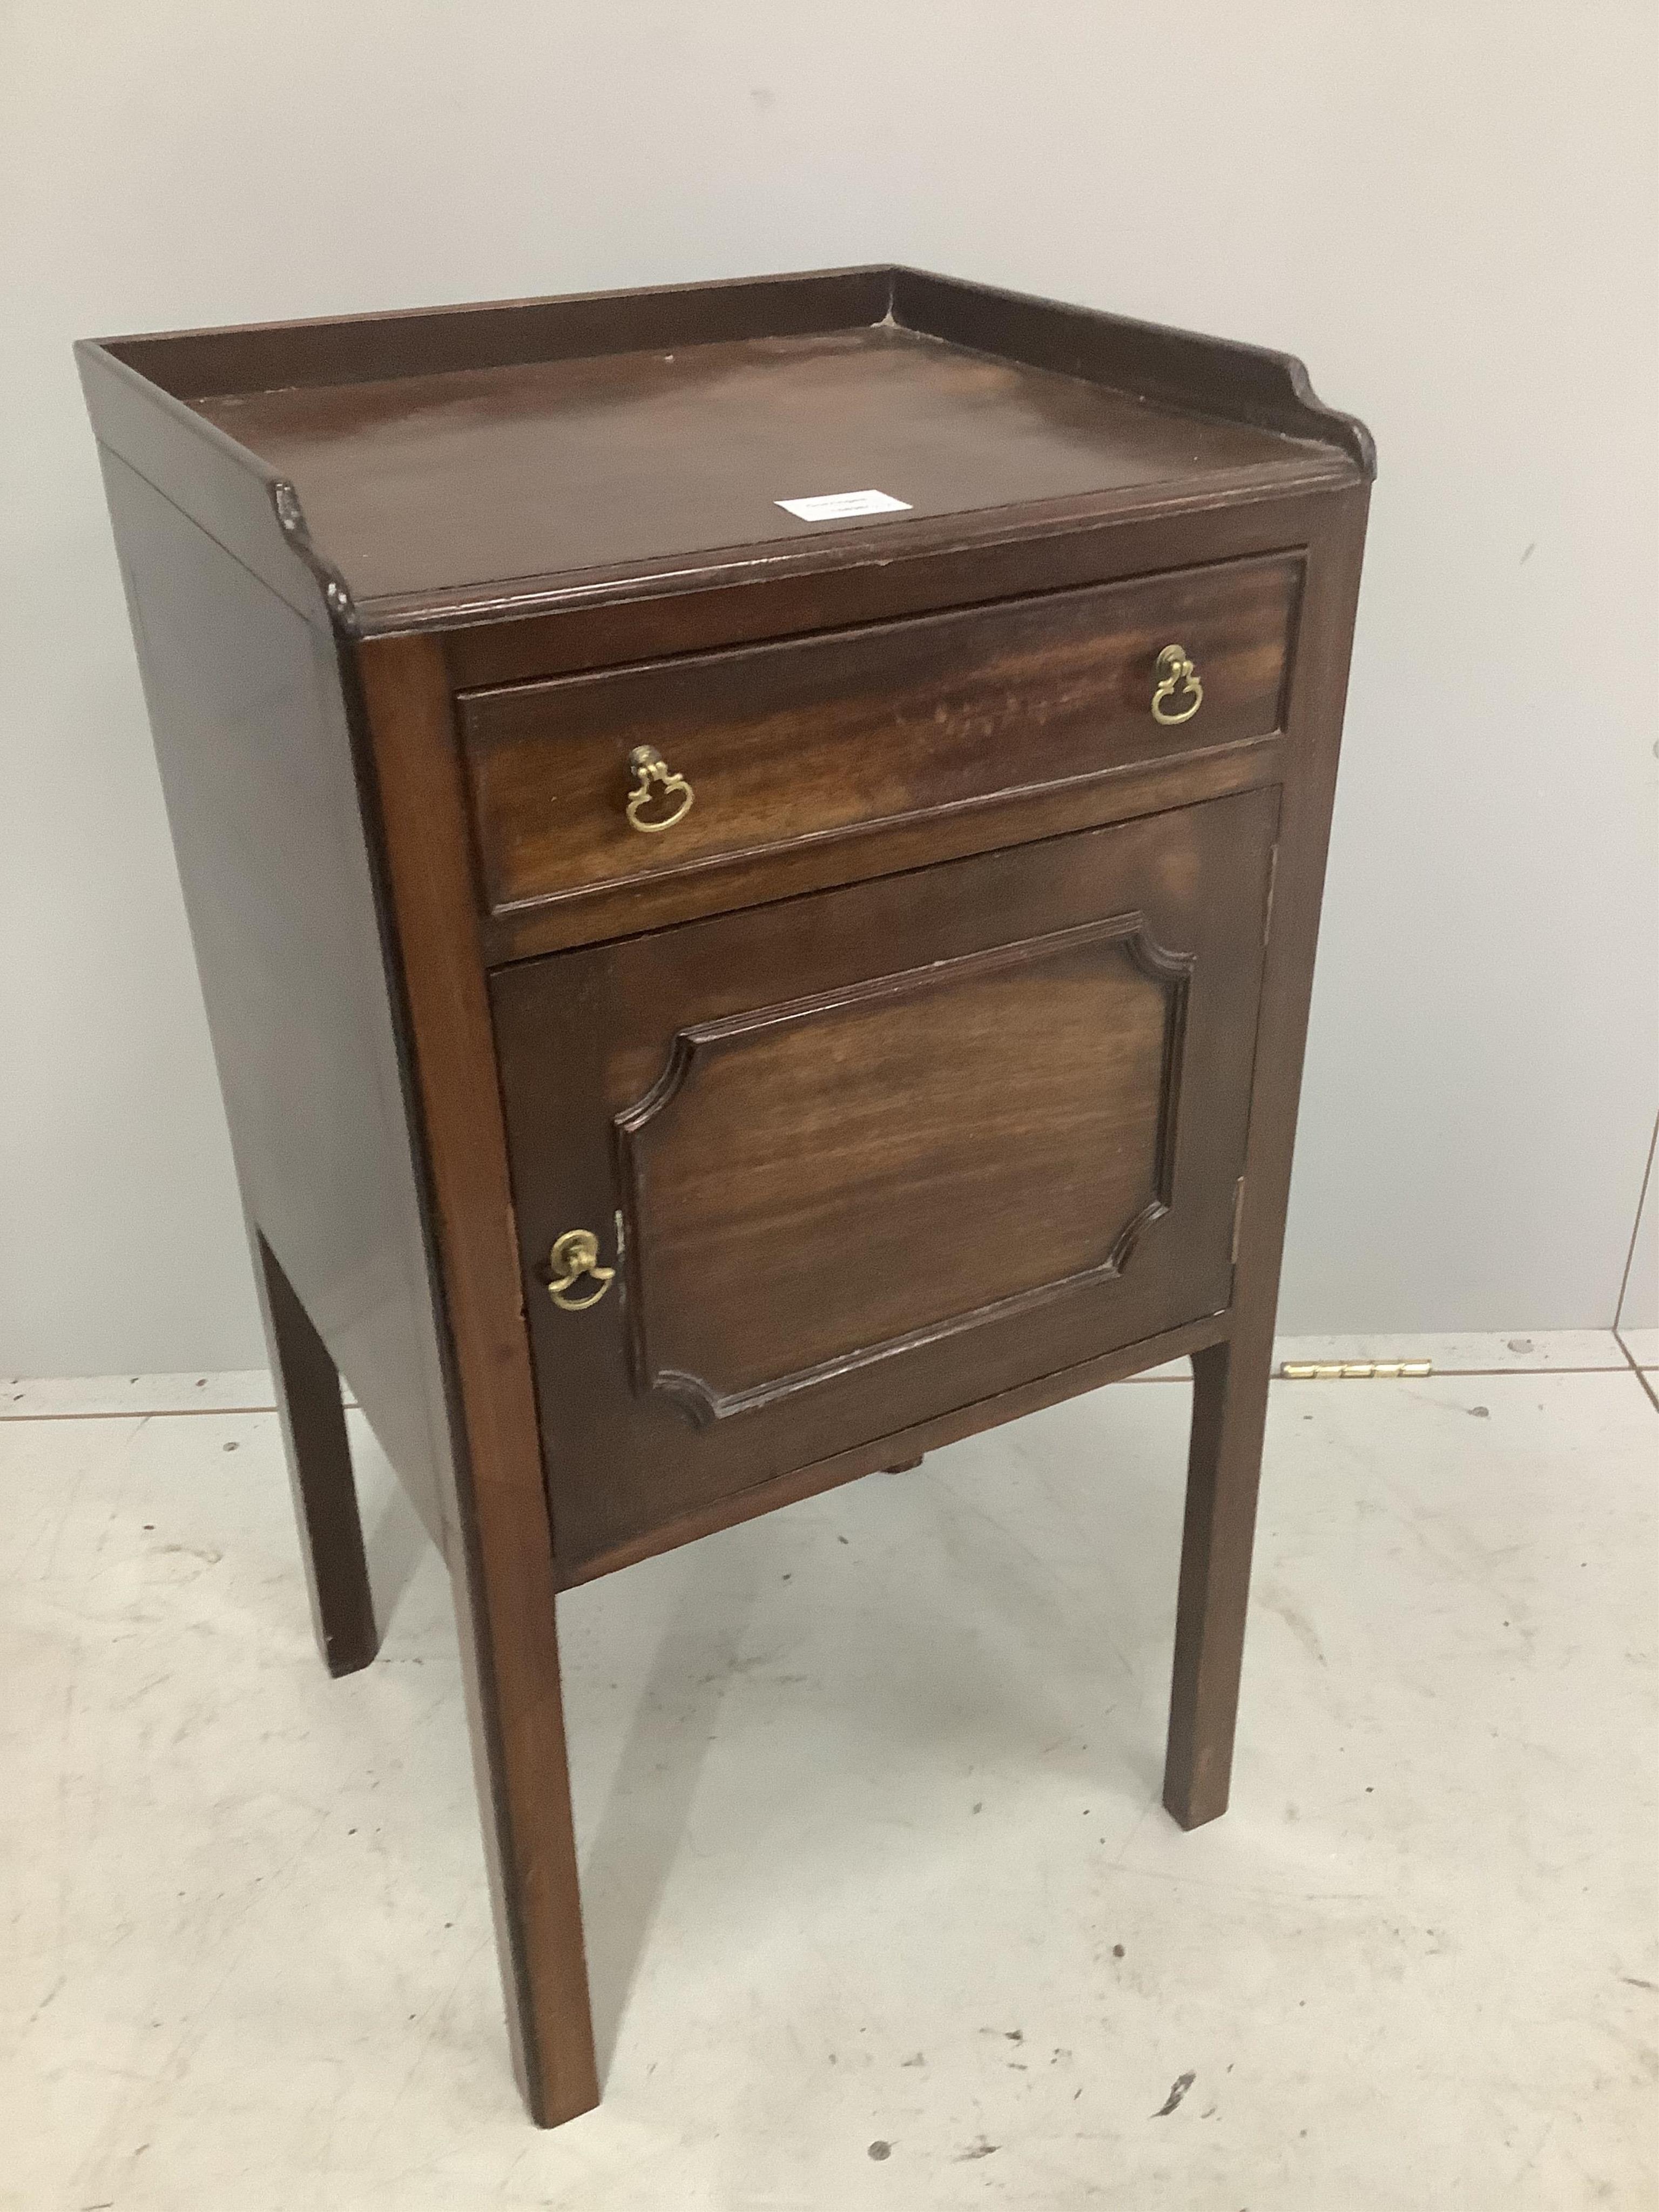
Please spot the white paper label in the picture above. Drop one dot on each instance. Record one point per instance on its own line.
(833, 506)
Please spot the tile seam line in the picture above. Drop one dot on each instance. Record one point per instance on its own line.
(1440, 1374)
(1637, 1369)
(151, 1412)
(1635, 1233)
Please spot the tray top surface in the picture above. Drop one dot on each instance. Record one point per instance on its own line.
(477, 477)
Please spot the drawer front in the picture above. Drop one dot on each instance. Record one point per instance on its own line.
(873, 1154)
(775, 745)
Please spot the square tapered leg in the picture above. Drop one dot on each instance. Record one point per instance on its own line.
(1230, 1402)
(307, 1386)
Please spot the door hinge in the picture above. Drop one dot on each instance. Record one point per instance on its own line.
(1352, 1370)
(1238, 1216)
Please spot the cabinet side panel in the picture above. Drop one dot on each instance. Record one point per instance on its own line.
(246, 704)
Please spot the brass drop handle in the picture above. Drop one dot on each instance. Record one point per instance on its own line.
(575, 1259)
(1176, 681)
(653, 773)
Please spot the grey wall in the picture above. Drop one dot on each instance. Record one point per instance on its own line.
(1447, 212)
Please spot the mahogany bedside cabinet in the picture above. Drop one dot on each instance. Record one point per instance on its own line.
(753, 851)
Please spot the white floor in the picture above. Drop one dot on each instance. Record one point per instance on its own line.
(882, 1909)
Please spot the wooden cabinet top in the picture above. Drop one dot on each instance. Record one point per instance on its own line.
(441, 465)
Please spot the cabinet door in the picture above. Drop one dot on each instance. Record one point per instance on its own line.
(860, 1157)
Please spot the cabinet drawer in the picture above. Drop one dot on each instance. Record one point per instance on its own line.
(822, 736)
(847, 1162)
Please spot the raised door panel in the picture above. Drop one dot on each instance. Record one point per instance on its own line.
(911, 1142)
(864, 1157)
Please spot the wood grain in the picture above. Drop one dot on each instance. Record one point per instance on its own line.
(927, 1124)
(1230, 1395)
(936, 1150)
(505, 1588)
(312, 1416)
(254, 745)
(862, 727)
(913, 1442)
(421, 485)
(436, 453)
(999, 553)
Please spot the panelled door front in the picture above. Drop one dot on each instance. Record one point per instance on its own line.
(790, 1179)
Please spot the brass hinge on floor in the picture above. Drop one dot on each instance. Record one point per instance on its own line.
(1351, 1370)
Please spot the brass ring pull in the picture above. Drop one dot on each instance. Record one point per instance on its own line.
(650, 769)
(575, 1259)
(1176, 680)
